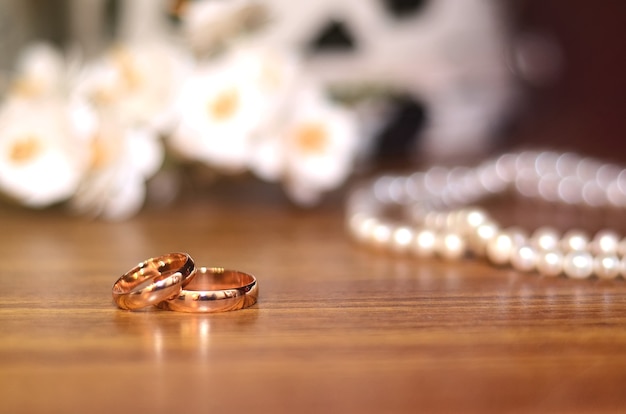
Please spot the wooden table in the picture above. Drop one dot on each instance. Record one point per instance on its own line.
(337, 328)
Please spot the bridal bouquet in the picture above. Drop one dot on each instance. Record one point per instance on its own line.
(90, 133)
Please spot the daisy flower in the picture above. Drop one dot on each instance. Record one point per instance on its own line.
(137, 82)
(219, 109)
(41, 162)
(41, 73)
(313, 151)
(320, 142)
(121, 160)
(276, 73)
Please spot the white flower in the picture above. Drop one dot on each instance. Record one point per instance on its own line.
(41, 73)
(321, 143)
(277, 73)
(280, 78)
(314, 151)
(121, 161)
(267, 158)
(229, 102)
(137, 82)
(219, 108)
(41, 161)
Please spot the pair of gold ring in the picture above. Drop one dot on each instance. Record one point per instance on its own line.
(173, 282)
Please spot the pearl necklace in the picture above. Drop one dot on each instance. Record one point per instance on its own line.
(439, 224)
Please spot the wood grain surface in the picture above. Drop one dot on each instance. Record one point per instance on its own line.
(337, 328)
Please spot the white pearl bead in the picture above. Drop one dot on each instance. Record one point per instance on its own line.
(453, 222)
(460, 218)
(474, 218)
(363, 228)
(499, 248)
(436, 220)
(451, 246)
(550, 263)
(481, 236)
(578, 265)
(524, 258)
(424, 243)
(381, 235)
(605, 241)
(518, 235)
(545, 238)
(401, 239)
(606, 266)
(574, 240)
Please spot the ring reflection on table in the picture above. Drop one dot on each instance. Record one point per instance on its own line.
(214, 289)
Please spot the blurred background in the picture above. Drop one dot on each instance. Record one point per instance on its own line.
(584, 106)
(427, 80)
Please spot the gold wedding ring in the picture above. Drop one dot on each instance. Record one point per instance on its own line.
(153, 281)
(214, 289)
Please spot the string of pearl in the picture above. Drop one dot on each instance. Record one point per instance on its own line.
(440, 224)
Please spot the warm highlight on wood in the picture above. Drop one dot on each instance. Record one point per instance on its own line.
(336, 328)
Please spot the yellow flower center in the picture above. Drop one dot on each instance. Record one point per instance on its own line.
(102, 96)
(26, 88)
(270, 76)
(129, 72)
(24, 149)
(311, 138)
(100, 153)
(225, 105)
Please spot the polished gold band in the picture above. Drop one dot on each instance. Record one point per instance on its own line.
(153, 281)
(215, 289)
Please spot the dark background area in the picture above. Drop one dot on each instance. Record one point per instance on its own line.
(585, 109)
